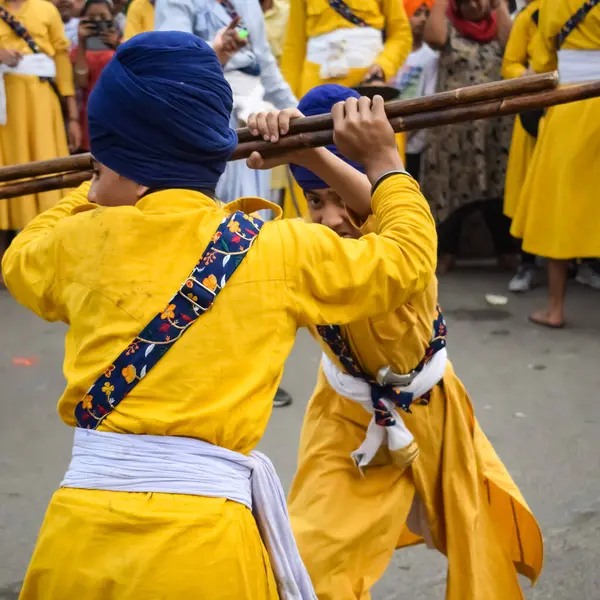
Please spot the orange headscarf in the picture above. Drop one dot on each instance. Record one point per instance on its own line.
(411, 6)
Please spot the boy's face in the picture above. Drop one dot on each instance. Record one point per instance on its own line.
(326, 208)
(419, 20)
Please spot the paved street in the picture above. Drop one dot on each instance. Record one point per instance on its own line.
(536, 393)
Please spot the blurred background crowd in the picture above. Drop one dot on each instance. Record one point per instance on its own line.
(274, 51)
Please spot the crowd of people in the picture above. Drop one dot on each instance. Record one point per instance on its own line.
(156, 500)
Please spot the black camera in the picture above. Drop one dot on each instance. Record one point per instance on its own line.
(101, 26)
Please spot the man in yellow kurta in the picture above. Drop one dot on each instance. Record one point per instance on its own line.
(349, 512)
(140, 18)
(160, 496)
(31, 120)
(558, 214)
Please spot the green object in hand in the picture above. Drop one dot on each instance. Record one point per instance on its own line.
(242, 33)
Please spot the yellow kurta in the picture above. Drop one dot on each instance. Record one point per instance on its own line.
(102, 271)
(517, 57)
(558, 215)
(347, 525)
(140, 18)
(311, 18)
(35, 128)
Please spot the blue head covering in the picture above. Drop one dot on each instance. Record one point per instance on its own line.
(319, 101)
(159, 114)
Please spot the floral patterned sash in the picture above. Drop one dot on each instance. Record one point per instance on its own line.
(218, 263)
(334, 338)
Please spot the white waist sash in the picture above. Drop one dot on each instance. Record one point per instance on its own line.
(353, 388)
(175, 465)
(343, 49)
(40, 65)
(577, 66)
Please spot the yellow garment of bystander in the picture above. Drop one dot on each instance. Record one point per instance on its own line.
(517, 57)
(140, 18)
(35, 128)
(558, 214)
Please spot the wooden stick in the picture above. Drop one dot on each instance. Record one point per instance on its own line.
(461, 96)
(77, 162)
(459, 114)
(44, 184)
(399, 108)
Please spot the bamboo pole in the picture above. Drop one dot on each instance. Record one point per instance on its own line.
(44, 184)
(461, 96)
(434, 118)
(77, 162)
(400, 108)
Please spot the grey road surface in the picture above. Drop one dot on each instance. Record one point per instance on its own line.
(536, 393)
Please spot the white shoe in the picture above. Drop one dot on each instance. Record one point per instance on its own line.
(524, 280)
(587, 276)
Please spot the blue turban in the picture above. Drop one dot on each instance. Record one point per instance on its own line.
(319, 101)
(159, 114)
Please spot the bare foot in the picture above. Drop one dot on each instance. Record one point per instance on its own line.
(445, 264)
(546, 318)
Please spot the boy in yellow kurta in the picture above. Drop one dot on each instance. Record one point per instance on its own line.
(140, 18)
(558, 215)
(157, 500)
(516, 63)
(31, 122)
(456, 495)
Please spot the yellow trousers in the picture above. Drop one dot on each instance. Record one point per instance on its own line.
(348, 525)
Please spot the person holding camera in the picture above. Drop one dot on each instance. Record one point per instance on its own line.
(97, 41)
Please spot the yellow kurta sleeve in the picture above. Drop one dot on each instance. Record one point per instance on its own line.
(294, 49)
(516, 57)
(336, 280)
(64, 68)
(140, 18)
(399, 39)
(29, 266)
